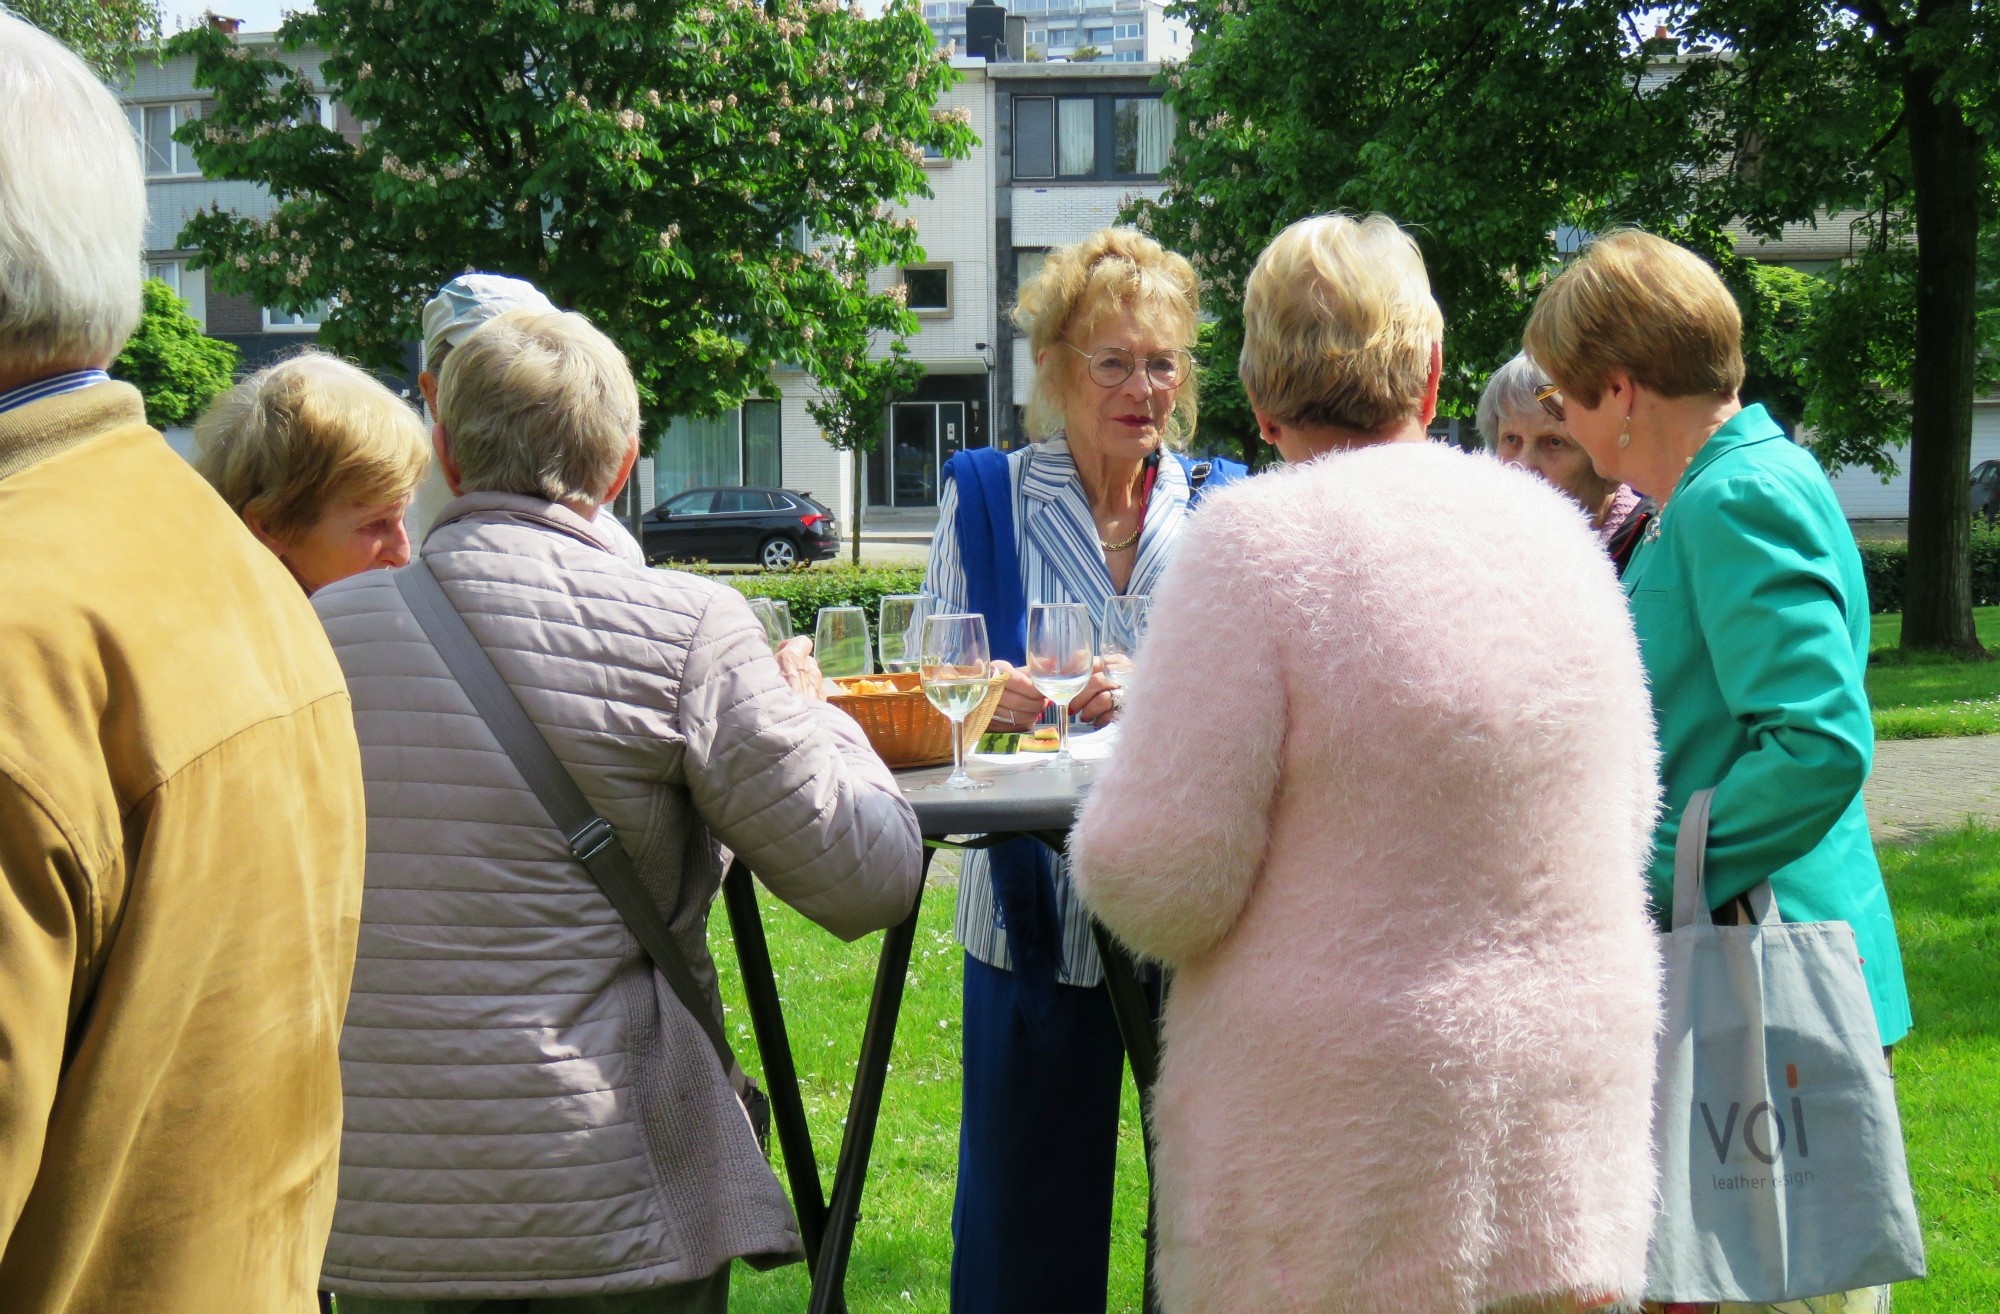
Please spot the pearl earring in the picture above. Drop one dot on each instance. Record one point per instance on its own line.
(1625, 434)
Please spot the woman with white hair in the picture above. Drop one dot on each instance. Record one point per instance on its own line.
(1518, 426)
(533, 1114)
(1383, 804)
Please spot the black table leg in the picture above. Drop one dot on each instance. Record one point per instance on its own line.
(781, 1076)
(864, 1106)
(1138, 1026)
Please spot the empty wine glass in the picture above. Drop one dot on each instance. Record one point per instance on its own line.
(840, 642)
(782, 610)
(1059, 661)
(767, 617)
(899, 630)
(955, 666)
(1124, 626)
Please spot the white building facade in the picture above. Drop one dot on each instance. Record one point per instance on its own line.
(1119, 31)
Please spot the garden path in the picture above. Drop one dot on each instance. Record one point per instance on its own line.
(1922, 785)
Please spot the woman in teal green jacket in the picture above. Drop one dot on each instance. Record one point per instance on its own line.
(1748, 596)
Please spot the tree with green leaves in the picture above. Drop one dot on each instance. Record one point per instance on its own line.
(103, 33)
(854, 413)
(176, 367)
(1500, 133)
(710, 181)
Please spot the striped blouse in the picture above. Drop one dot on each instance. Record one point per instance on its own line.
(1061, 561)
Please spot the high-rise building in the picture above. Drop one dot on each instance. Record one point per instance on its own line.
(1119, 31)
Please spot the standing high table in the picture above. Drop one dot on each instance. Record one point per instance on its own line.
(1030, 799)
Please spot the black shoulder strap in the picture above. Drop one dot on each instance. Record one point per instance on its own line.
(589, 836)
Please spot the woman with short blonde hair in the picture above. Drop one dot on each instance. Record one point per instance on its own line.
(1747, 595)
(1359, 358)
(320, 461)
(1093, 508)
(1395, 853)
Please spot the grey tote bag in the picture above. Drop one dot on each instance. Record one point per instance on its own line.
(1782, 1173)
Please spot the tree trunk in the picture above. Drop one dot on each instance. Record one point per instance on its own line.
(1947, 167)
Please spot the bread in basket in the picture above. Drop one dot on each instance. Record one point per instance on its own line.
(903, 726)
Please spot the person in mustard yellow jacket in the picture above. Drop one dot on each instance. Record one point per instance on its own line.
(1747, 595)
(181, 816)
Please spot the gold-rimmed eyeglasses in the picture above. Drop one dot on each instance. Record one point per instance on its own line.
(1549, 396)
(1110, 366)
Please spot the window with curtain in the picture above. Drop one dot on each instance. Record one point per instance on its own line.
(1034, 137)
(1145, 130)
(763, 451)
(1076, 123)
(697, 452)
(154, 126)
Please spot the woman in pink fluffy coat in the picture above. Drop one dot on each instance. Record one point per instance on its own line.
(1384, 804)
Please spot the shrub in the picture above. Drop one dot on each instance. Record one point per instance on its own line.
(1883, 561)
(808, 588)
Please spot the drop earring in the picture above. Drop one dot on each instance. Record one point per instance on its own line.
(1625, 434)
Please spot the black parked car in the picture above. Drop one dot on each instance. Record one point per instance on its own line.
(1986, 491)
(762, 526)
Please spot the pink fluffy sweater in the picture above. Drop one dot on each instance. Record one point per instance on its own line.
(1384, 801)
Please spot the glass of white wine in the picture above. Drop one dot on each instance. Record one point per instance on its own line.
(955, 667)
(840, 642)
(1124, 626)
(899, 631)
(1059, 660)
(782, 612)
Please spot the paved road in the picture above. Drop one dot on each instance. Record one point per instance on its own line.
(1922, 785)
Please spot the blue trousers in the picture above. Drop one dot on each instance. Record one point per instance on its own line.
(1037, 1147)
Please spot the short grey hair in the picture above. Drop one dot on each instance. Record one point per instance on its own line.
(72, 208)
(538, 403)
(1509, 393)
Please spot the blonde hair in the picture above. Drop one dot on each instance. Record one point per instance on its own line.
(1339, 325)
(72, 209)
(539, 403)
(1112, 270)
(301, 435)
(1638, 303)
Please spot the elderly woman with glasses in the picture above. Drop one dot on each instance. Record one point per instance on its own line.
(1092, 509)
(1521, 420)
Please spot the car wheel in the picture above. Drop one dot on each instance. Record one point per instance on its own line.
(778, 553)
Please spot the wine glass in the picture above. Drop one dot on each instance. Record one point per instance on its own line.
(1124, 626)
(899, 632)
(782, 610)
(1059, 661)
(767, 617)
(955, 667)
(840, 642)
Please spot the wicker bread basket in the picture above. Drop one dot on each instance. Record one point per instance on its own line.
(903, 726)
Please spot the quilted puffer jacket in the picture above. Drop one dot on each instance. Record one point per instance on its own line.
(529, 1110)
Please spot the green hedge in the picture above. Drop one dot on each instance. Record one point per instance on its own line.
(1884, 559)
(808, 588)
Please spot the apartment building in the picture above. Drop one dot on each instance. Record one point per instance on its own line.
(1118, 31)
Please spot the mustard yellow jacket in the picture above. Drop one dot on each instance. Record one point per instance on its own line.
(181, 844)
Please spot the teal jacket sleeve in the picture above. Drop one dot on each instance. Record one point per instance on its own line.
(1769, 601)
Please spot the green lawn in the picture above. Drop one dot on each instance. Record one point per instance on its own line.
(1947, 895)
(1925, 698)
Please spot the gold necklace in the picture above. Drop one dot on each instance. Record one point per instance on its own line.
(1122, 543)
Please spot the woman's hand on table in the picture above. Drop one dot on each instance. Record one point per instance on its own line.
(796, 664)
(1021, 703)
(1098, 702)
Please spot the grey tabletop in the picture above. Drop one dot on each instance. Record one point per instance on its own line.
(1025, 796)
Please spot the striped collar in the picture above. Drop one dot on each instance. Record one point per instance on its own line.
(1061, 527)
(55, 385)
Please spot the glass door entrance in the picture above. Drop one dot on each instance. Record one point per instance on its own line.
(922, 437)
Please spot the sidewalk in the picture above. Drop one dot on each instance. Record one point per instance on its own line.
(1922, 785)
